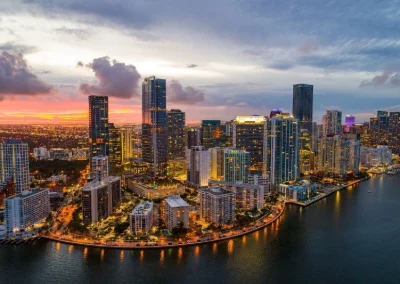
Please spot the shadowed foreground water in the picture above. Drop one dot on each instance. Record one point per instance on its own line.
(351, 236)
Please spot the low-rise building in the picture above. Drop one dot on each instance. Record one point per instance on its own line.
(100, 199)
(217, 205)
(298, 192)
(26, 209)
(141, 218)
(151, 192)
(176, 212)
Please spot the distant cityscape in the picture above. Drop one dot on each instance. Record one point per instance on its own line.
(166, 183)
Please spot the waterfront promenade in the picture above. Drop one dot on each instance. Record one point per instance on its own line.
(327, 192)
(217, 237)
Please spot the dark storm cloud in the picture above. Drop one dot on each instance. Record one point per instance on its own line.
(17, 47)
(184, 95)
(79, 33)
(387, 78)
(281, 65)
(115, 79)
(17, 79)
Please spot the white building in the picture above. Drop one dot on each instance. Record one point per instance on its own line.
(100, 199)
(248, 196)
(26, 209)
(141, 218)
(14, 161)
(217, 205)
(284, 160)
(198, 166)
(99, 168)
(40, 153)
(333, 122)
(262, 180)
(176, 211)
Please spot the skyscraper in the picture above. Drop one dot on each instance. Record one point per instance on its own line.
(379, 127)
(329, 160)
(154, 124)
(394, 132)
(176, 134)
(98, 126)
(213, 134)
(284, 161)
(250, 133)
(99, 168)
(333, 122)
(193, 137)
(198, 166)
(217, 162)
(237, 163)
(126, 144)
(115, 156)
(303, 104)
(14, 163)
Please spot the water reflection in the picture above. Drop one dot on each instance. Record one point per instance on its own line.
(122, 255)
(162, 256)
(85, 253)
(257, 235)
(244, 240)
(197, 251)
(102, 255)
(58, 246)
(230, 247)
(70, 248)
(141, 255)
(180, 254)
(214, 248)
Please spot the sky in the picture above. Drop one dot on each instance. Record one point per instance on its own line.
(220, 58)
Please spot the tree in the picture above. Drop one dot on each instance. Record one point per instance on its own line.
(121, 227)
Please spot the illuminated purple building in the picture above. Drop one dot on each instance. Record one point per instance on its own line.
(350, 120)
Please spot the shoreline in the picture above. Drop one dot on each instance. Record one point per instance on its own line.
(259, 225)
(309, 202)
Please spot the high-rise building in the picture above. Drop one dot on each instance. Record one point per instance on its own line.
(351, 154)
(306, 153)
(260, 180)
(250, 133)
(198, 166)
(237, 163)
(329, 160)
(303, 104)
(99, 168)
(141, 218)
(213, 134)
(379, 127)
(375, 157)
(176, 212)
(115, 156)
(274, 112)
(193, 137)
(217, 156)
(333, 119)
(154, 124)
(98, 126)
(126, 144)
(284, 161)
(7, 189)
(350, 120)
(394, 132)
(176, 134)
(24, 210)
(14, 162)
(364, 131)
(217, 205)
(100, 199)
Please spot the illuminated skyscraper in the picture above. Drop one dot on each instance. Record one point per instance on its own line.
(98, 126)
(114, 145)
(284, 161)
(303, 104)
(379, 127)
(333, 123)
(198, 166)
(237, 164)
(217, 162)
(213, 134)
(126, 144)
(394, 132)
(154, 124)
(250, 133)
(193, 137)
(14, 163)
(176, 134)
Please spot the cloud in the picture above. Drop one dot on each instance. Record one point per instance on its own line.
(193, 66)
(387, 78)
(17, 79)
(79, 33)
(308, 46)
(284, 65)
(13, 46)
(187, 95)
(115, 79)
(242, 104)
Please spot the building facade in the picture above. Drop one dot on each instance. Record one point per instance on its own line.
(176, 134)
(14, 162)
(333, 122)
(213, 134)
(99, 168)
(26, 209)
(303, 96)
(198, 166)
(250, 133)
(115, 156)
(176, 212)
(236, 165)
(217, 205)
(154, 124)
(141, 218)
(217, 156)
(98, 126)
(284, 160)
(100, 199)
(192, 137)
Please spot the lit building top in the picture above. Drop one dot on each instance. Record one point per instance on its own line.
(250, 119)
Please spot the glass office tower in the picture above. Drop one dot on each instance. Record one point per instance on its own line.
(98, 126)
(303, 105)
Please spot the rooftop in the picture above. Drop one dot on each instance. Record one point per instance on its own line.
(143, 208)
(28, 193)
(176, 201)
(217, 190)
(95, 184)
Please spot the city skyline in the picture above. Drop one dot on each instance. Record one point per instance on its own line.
(259, 55)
